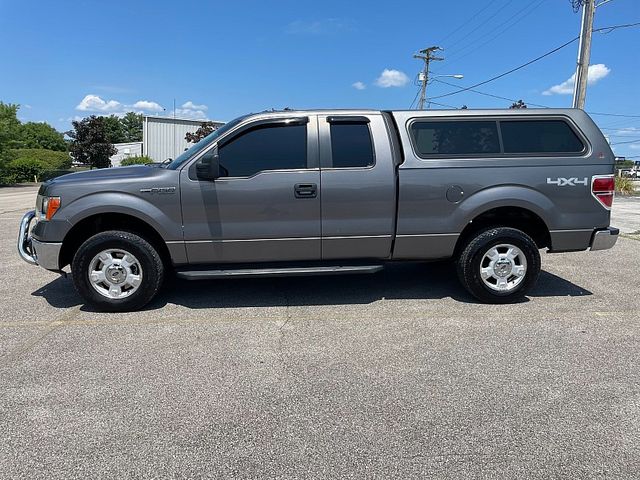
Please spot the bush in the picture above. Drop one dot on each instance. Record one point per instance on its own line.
(48, 159)
(624, 186)
(142, 160)
(24, 170)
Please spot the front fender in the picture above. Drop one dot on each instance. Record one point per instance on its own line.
(163, 215)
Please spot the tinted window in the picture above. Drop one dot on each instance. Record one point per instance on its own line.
(265, 148)
(539, 136)
(455, 137)
(205, 142)
(351, 145)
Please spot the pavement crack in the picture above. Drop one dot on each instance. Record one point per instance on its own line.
(30, 344)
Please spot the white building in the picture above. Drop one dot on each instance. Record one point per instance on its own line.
(163, 137)
(125, 150)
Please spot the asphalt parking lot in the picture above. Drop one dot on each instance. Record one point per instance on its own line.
(394, 375)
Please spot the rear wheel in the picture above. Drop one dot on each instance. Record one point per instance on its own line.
(117, 271)
(499, 265)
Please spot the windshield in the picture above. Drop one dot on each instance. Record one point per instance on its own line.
(202, 144)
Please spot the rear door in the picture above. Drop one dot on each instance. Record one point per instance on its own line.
(266, 206)
(358, 187)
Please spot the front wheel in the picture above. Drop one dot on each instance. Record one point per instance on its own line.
(499, 265)
(117, 271)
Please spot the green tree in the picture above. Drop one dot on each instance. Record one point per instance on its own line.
(9, 132)
(132, 127)
(517, 105)
(9, 125)
(41, 135)
(205, 129)
(114, 129)
(92, 143)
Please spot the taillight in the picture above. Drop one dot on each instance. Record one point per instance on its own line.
(602, 188)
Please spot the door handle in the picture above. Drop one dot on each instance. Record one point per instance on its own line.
(305, 190)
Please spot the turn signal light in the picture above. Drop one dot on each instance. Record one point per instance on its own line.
(50, 207)
(602, 188)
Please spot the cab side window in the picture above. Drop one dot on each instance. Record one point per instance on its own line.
(351, 145)
(265, 147)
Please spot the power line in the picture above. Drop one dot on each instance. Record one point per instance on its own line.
(550, 52)
(520, 67)
(637, 140)
(415, 98)
(535, 104)
(482, 24)
(444, 105)
(614, 114)
(471, 19)
(491, 94)
(475, 46)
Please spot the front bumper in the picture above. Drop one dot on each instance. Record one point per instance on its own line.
(604, 239)
(35, 252)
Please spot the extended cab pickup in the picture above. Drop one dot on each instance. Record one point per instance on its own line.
(339, 191)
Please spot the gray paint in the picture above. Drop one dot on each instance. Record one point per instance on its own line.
(355, 214)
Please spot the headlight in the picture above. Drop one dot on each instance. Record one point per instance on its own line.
(50, 206)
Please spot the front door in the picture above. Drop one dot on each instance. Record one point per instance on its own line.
(266, 205)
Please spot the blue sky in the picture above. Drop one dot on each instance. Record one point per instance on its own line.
(62, 59)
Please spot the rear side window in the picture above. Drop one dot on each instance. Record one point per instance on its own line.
(455, 137)
(265, 148)
(351, 145)
(539, 136)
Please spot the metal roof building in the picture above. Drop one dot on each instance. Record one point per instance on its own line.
(163, 137)
(125, 150)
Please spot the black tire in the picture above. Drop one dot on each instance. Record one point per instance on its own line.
(469, 264)
(147, 256)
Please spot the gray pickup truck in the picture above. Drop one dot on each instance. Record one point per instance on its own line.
(335, 191)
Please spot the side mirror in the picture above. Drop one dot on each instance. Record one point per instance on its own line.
(208, 167)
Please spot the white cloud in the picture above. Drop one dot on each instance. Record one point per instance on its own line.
(93, 103)
(596, 73)
(192, 111)
(392, 78)
(191, 114)
(192, 106)
(147, 106)
(359, 85)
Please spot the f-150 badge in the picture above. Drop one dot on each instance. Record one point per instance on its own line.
(568, 182)
(158, 190)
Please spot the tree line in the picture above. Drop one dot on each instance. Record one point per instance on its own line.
(29, 149)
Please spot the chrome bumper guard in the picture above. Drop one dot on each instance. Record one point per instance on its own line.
(34, 252)
(604, 239)
(25, 248)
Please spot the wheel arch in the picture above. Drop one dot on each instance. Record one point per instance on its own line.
(518, 217)
(101, 222)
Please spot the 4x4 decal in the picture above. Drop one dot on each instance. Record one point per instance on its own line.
(567, 182)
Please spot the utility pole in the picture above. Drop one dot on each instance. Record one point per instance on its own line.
(427, 55)
(584, 54)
